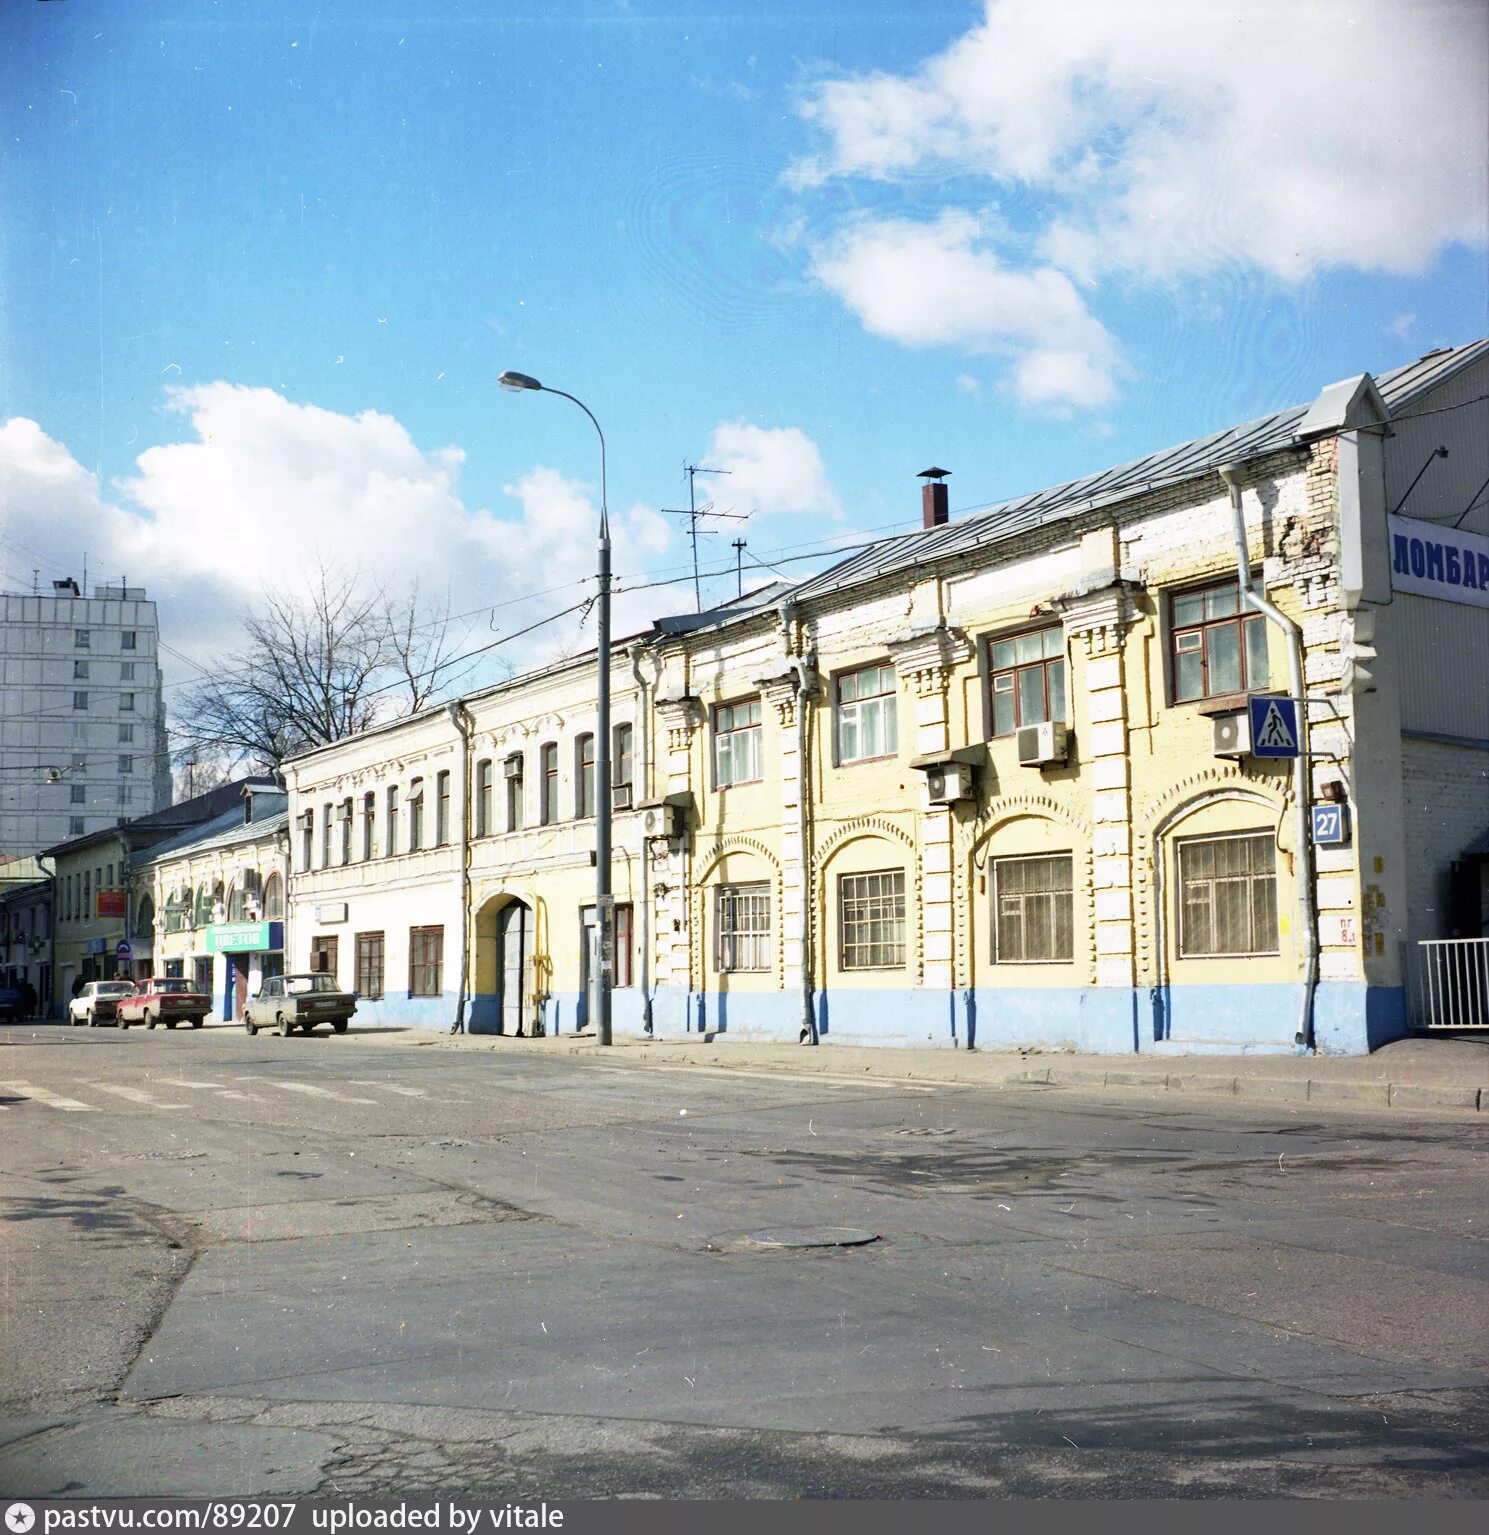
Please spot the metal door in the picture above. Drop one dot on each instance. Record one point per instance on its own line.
(515, 940)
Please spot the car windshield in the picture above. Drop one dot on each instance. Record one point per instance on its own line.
(298, 985)
(170, 985)
(117, 989)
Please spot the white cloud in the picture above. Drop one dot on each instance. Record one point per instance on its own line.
(262, 488)
(935, 284)
(772, 470)
(1150, 142)
(1175, 139)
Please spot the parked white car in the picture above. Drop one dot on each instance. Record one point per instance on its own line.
(98, 1002)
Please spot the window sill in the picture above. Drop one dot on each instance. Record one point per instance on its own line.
(860, 761)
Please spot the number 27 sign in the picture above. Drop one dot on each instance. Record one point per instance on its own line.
(1331, 825)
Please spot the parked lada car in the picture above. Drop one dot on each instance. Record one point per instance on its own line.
(166, 999)
(10, 1004)
(98, 1002)
(288, 1002)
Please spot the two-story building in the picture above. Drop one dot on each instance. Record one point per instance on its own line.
(444, 864)
(103, 925)
(1188, 755)
(216, 896)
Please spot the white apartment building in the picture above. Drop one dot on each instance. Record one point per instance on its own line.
(82, 717)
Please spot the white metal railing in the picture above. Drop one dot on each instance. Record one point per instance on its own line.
(1453, 983)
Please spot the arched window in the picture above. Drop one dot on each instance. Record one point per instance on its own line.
(584, 776)
(144, 918)
(273, 899)
(203, 917)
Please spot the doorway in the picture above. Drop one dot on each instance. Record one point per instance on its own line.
(514, 959)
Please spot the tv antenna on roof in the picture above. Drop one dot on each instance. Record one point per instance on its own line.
(693, 512)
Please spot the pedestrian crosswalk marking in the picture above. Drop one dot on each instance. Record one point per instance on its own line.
(393, 1087)
(187, 1082)
(51, 1100)
(134, 1095)
(227, 1092)
(320, 1092)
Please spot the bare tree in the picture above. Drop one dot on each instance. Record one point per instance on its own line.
(317, 667)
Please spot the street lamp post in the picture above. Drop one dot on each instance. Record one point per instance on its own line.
(604, 900)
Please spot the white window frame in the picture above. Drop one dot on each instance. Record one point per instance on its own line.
(857, 717)
(743, 948)
(738, 748)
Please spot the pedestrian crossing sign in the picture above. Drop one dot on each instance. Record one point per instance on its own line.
(1274, 727)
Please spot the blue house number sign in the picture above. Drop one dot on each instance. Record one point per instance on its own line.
(1331, 825)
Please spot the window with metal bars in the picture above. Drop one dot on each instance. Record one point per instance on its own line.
(742, 924)
(1033, 910)
(1228, 896)
(872, 920)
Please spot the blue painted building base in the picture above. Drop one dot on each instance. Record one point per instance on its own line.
(1349, 1017)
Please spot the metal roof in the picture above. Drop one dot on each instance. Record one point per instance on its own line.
(226, 830)
(1170, 466)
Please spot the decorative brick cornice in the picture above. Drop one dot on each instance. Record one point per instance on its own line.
(680, 717)
(927, 656)
(1099, 617)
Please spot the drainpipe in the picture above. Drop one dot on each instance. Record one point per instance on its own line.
(461, 719)
(643, 784)
(1307, 918)
(805, 668)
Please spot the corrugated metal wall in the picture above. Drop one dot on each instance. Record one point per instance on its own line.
(1444, 650)
(1448, 486)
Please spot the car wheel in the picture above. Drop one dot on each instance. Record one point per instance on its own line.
(148, 1018)
(92, 1019)
(286, 1028)
(170, 1023)
(196, 1023)
(76, 1021)
(340, 1025)
(250, 1025)
(122, 1021)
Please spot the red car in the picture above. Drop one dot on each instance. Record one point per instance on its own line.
(164, 999)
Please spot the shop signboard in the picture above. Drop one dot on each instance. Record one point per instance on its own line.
(112, 903)
(245, 937)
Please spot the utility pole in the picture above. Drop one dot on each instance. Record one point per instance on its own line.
(693, 512)
(739, 548)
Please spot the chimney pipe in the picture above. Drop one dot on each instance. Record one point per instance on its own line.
(934, 511)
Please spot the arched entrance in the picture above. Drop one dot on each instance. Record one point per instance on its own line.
(501, 1001)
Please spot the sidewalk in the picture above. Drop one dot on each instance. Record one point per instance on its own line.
(1441, 1075)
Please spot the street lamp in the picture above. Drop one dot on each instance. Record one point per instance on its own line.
(604, 900)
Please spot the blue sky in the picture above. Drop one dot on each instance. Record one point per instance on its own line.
(262, 265)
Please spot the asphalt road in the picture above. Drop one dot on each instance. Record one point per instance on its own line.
(236, 1266)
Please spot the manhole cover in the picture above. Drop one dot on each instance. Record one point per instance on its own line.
(812, 1236)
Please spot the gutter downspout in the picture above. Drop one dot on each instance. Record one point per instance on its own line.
(462, 720)
(805, 667)
(1307, 917)
(643, 780)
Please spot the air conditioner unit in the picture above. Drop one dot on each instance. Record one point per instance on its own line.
(948, 782)
(663, 821)
(251, 910)
(512, 767)
(1039, 744)
(1230, 734)
(620, 796)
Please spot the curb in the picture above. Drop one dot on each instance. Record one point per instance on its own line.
(1440, 1098)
